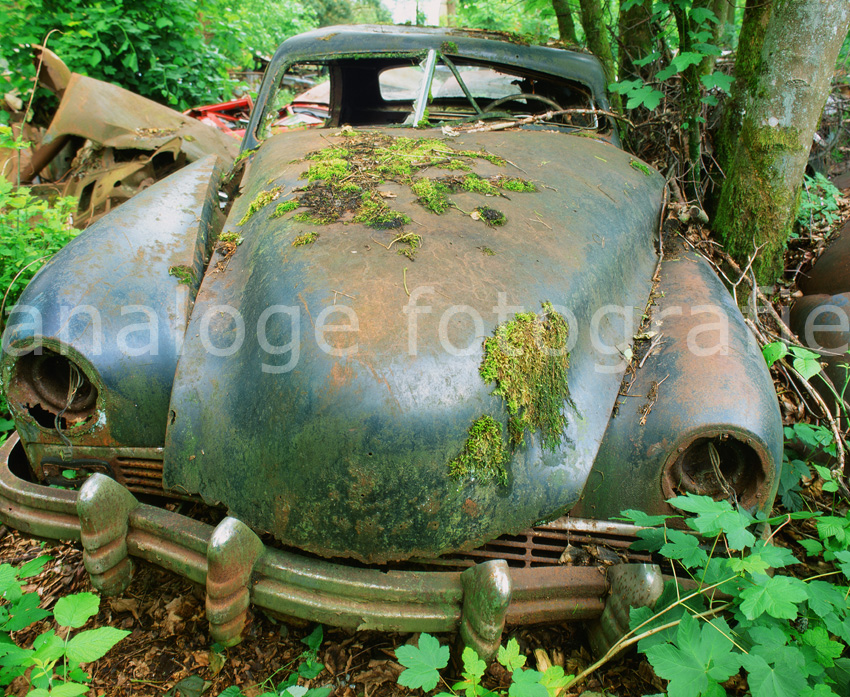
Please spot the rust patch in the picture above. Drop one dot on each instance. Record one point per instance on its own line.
(471, 508)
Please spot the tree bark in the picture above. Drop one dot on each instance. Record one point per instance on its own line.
(750, 41)
(758, 202)
(597, 36)
(566, 25)
(635, 38)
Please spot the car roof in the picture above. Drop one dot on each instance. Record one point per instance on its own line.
(386, 40)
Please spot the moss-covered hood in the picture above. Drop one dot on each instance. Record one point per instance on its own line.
(328, 382)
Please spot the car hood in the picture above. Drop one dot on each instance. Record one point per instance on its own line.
(324, 388)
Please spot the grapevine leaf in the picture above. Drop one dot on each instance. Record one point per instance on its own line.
(473, 666)
(773, 680)
(827, 650)
(777, 596)
(685, 548)
(422, 662)
(642, 519)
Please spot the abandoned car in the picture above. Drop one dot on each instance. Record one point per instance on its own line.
(423, 349)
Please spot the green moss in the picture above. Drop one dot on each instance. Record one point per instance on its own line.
(491, 216)
(448, 47)
(377, 214)
(456, 165)
(527, 360)
(484, 155)
(516, 184)
(184, 274)
(263, 199)
(243, 156)
(284, 208)
(477, 185)
(431, 194)
(306, 238)
(327, 169)
(641, 167)
(330, 153)
(410, 245)
(231, 238)
(484, 453)
(488, 252)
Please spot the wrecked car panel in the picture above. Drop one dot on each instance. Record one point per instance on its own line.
(402, 346)
(67, 316)
(380, 424)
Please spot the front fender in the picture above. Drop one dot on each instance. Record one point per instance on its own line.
(705, 386)
(109, 303)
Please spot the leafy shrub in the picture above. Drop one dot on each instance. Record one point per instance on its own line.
(54, 660)
(787, 633)
(175, 51)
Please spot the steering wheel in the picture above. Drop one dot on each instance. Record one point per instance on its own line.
(523, 95)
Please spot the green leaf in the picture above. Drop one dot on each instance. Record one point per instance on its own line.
(422, 662)
(24, 612)
(526, 683)
(75, 610)
(8, 578)
(473, 666)
(777, 596)
(827, 650)
(190, 686)
(843, 559)
(92, 644)
(701, 658)
(33, 567)
(644, 520)
(510, 657)
(685, 548)
(766, 680)
(681, 62)
(69, 689)
(714, 517)
(701, 15)
(310, 669)
(314, 639)
(645, 96)
(554, 680)
(231, 691)
(773, 351)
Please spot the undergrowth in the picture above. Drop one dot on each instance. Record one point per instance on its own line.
(51, 666)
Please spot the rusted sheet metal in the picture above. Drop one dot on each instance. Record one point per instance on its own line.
(286, 583)
(343, 449)
(115, 117)
(125, 305)
(705, 386)
(821, 318)
(831, 273)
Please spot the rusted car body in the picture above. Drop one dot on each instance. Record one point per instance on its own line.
(319, 362)
(105, 143)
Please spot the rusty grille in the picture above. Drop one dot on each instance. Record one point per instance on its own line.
(544, 546)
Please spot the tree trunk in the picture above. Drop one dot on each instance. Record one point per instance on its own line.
(721, 9)
(756, 15)
(691, 97)
(758, 202)
(597, 36)
(635, 38)
(566, 26)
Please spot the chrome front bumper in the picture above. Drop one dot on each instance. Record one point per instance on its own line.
(237, 569)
